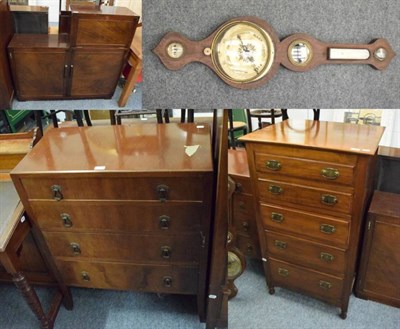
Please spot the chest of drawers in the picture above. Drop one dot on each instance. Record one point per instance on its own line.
(312, 181)
(124, 207)
(243, 223)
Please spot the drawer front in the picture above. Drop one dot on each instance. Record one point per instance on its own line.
(243, 184)
(303, 252)
(243, 205)
(122, 216)
(150, 278)
(248, 246)
(285, 193)
(315, 283)
(126, 247)
(275, 166)
(322, 228)
(118, 188)
(245, 224)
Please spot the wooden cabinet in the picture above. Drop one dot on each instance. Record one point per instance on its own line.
(86, 63)
(379, 272)
(312, 182)
(124, 207)
(6, 33)
(243, 211)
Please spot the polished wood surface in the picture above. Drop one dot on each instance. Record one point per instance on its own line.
(29, 8)
(6, 33)
(123, 219)
(357, 139)
(378, 277)
(48, 41)
(312, 181)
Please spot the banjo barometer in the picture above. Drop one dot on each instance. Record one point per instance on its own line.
(245, 52)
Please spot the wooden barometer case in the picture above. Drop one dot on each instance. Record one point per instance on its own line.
(245, 52)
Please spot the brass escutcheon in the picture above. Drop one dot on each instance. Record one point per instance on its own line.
(328, 199)
(330, 173)
(66, 220)
(276, 217)
(166, 252)
(167, 281)
(164, 222)
(327, 229)
(273, 165)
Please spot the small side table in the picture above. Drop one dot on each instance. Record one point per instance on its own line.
(135, 61)
(14, 227)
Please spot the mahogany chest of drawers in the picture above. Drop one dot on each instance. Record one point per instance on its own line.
(311, 182)
(124, 207)
(378, 276)
(243, 225)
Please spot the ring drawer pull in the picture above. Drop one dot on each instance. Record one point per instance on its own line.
(67, 222)
(325, 284)
(57, 195)
(280, 244)
(327, 229)
(330, 173)
(276, 217)
(163, 191)
(76, 249)
(167, 281)
(275, 189)
(85, 276)
(273, 165)
(324, 256)
(165, 222)
(246, 226)
(283, 272)
(328, 199)
(166, 252)
(242, 205)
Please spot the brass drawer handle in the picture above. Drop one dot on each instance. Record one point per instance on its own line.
(85, 276)
(324, 256)
(166, 252)
(280, 244)
(167, 281)
(283, 272)
(327, 229)
(328, 199)
(66, 219)
(246, 226)
(57, 195)
(275, 189)
(276, 217)
(163, 191)
(165, 222)
(330, 173)
(273, 165)
(76, 249)
(325, 284)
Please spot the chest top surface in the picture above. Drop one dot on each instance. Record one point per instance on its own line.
(102, 10)
(123, 148)
(336, 136)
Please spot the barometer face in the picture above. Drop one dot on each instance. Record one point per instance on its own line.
(235, 267)
(175, 50)
(242, 51)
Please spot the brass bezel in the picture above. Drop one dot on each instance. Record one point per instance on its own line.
(308, 45)
(233, 273)
(217, 39)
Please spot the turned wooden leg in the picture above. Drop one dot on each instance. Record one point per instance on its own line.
(31, 298)
(271, 290)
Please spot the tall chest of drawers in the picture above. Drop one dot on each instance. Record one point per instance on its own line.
(124, 207)
(312, 182)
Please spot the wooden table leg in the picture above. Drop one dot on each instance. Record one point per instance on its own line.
(32, 299)
(136, 63)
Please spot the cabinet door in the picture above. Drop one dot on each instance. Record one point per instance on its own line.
(95, 72)
(39, 74)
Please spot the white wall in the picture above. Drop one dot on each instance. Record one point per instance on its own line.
(134, 5)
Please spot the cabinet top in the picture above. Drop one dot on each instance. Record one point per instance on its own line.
(102, 10)
(344, 137)
(24, 41)
(131, 148)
